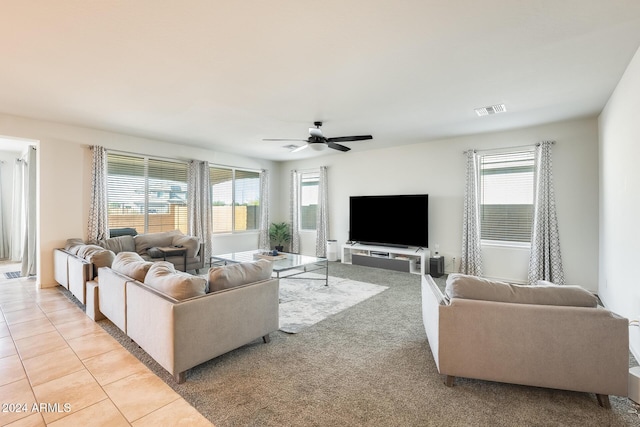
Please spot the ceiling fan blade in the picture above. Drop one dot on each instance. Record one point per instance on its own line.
(337, 146)
(349, 138)
(302, 147)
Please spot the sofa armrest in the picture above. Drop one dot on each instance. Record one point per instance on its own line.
(432, 298)
(571, 348)
(112, 296)
(80, 272)
(60, 267)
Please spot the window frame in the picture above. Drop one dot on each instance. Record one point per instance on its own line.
(529, 153)
(147, 164)
(234, 203)
(309, 175)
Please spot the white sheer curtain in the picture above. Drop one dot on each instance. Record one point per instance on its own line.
(545, 262)
(295, 211)
(322, 217)
(199, 204)
(98, 227)
(29, 253)
(18, 220)
(471, 259)
(4, 239)
(263, 239)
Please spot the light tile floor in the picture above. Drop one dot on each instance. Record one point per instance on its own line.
(59, 368)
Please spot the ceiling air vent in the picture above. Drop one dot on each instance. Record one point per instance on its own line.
(493, 109)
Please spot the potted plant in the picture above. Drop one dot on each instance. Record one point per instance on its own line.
(279, 234)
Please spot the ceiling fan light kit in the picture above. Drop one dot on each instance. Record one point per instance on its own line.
(318, 142)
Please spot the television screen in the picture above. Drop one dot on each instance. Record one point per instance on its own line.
(390, 220)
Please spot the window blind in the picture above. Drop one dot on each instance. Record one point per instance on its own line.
(221, 199)
(506, 196)
(308, 199)
(146, 194)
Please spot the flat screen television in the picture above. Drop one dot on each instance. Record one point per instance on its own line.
(396, 220)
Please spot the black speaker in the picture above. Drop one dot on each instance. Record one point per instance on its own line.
(436, 266)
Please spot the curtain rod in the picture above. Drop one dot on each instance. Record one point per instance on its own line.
(517, 147)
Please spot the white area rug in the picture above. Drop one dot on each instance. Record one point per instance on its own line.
(305, 302)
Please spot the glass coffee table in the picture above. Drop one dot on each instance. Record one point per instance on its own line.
(290, 266)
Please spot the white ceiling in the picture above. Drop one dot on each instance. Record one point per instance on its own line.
(226, 74)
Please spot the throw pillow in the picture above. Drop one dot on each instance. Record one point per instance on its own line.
(190, 243)
(132, 265)
(155, 253)
(73, 245)
(163, 277)
(118, 244)
(243, 273)
(478, 288)
(150, 240)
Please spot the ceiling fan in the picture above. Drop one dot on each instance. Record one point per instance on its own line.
(318, 142)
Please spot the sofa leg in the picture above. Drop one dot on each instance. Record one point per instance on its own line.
(180, 377)
(266, 338)
(449, 380)
(603, 400)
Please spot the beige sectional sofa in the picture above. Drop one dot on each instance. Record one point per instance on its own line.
(182, 320)
(78, 262)
(545, 336)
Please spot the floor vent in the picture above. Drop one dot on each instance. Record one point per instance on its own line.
(12, 274)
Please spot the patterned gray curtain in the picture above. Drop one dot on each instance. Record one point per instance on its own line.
(4, 240)
(199, 204)
(295, 211)
(263, 239)
(471, 259)
(322, 217)
(98, 228)
(545, 261)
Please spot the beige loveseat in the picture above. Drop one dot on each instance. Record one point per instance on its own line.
(545, 336)
(182, 320)
(78, 262)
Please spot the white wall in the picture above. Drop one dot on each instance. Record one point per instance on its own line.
(437, 168)
(64, 178)
(620, 199)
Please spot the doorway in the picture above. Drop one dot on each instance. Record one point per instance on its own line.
(18, 200)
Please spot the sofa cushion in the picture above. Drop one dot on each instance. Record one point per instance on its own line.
(163, 277)
(150, 240)
(155, 253)
(190, 243)
(118, 244)
(243, 273)
(473, 287)
(131, 265)
(73, 245)
(103, 258)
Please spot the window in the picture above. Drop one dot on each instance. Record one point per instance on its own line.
(147, 194)
(506, 196)
(235, 198)
(308, 199)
